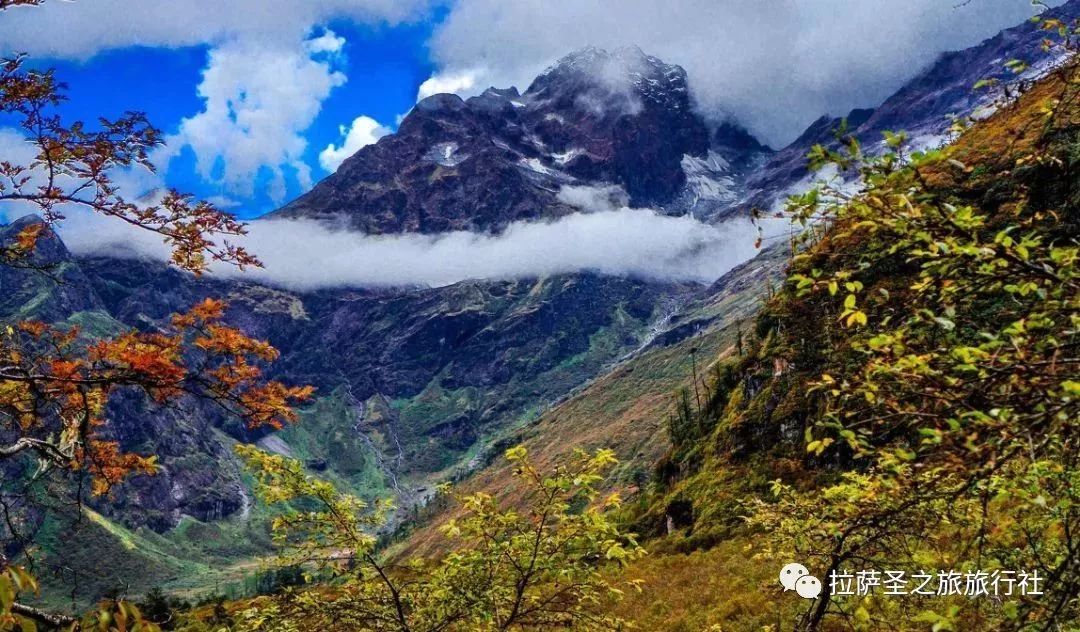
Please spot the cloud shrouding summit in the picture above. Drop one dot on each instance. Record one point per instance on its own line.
(776, 65)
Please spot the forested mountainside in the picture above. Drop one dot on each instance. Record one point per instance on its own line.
(419, 385)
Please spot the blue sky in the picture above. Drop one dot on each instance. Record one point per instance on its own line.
(251, 92)
(385, 66)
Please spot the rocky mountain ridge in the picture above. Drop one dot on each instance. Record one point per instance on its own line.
(622, 118)
(594, 118)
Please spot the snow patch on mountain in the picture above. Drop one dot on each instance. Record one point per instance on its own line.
(709, 178)
(534, 165)
(566, 156)
(446, 154)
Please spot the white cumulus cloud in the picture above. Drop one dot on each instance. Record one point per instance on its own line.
(82, 29)
(458, 82)
(363, 131)
(271, 65)
(259, 99)
(328, 42)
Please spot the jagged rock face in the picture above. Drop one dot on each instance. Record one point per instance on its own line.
(451, 166)
(56, 291)
(479, 164)
(622, 117)
(494, 347)
(51, 286)
(198, 476)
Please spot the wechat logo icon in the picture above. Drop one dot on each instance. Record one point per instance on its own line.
(796, 577)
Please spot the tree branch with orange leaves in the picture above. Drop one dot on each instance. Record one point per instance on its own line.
(55, 383)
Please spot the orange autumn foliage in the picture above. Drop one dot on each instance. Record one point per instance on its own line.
(55, 384)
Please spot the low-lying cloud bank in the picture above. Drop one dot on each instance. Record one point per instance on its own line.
(306, 255)
(606, 237)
